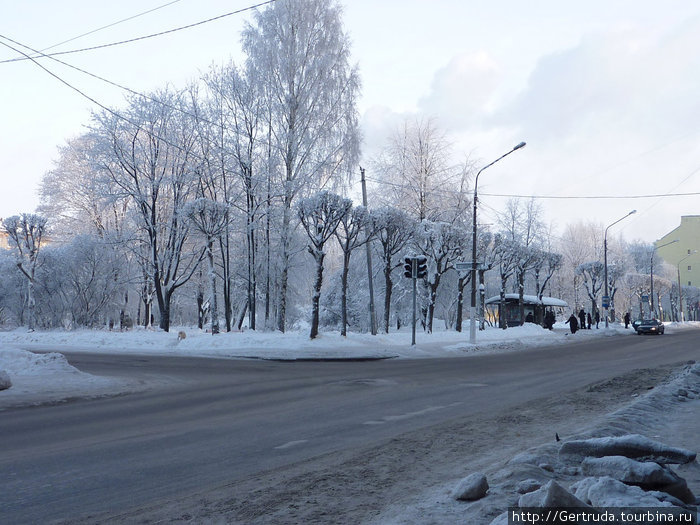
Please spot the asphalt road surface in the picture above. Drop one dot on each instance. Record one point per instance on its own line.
(216, 421)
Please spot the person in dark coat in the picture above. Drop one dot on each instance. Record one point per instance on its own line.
(529, 318)
(627, 319)
(573, 323)
(582, 319)
(549, 320)
(597, 318)
(588, 320)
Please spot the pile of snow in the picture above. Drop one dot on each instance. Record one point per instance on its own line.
(18, 362)
(48, 378)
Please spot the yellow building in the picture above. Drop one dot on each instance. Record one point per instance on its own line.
(680, 254)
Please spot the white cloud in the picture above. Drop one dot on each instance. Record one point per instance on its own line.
(462, 91)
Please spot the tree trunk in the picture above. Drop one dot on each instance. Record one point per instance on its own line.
(432, 288)
(250, 238)
(284, 275)
(502, 322)
(344, 295)
(31, 305)
(165, 311)
(521, 295)
(213, 304)
(200, 302)
(224, 244)
(388, 288)
(461, 282)
(316, 299)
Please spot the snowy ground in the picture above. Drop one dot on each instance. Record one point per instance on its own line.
(49, 378)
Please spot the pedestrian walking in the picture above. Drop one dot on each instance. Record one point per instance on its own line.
(597, 318)
(582, 319)
(588, 320)
(627, 319)
(573, 323)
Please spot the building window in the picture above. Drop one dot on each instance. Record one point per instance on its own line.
(689, 252)
(688, 267)
(689, 284)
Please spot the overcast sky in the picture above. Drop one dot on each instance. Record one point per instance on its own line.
(606, 94)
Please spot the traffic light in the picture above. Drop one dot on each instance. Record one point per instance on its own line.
(408, 267)
(422, 267)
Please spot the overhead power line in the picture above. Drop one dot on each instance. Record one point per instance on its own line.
(563, 197)
(145, 37)
(132, 17)
(591, 197)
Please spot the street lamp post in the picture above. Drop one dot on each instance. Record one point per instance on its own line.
(651, 271)
(472, 308)
(605, 263)
(680, 290)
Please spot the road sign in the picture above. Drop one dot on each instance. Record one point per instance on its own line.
(463, 266)
(645, 298)
(606, 301)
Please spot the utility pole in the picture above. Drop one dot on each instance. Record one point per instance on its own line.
(370, 273)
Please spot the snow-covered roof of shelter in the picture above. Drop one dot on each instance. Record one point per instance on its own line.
(529, 299)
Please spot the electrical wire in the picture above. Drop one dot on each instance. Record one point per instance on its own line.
(582, 197)
(93, 100)
(145, 37)
(110, 25)
(593, 197)
(106, 108)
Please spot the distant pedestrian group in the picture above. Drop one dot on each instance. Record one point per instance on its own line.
(584, 321)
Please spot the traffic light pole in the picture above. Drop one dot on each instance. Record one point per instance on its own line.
(414, 276)
(415, 268)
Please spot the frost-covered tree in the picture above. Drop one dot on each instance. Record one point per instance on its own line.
(545, 266)
(417, 169)
(300, 55)
(442, 243)
(210, 219)
(25, 233)
(320, 215)
(354, 230)
(394, 230)
(505, 255)
(80, 283)
(523, 224)
(147, 154)
(237, 105)
(593, 275)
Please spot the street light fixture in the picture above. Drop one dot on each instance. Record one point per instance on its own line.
(651, 271)
(605, 264)
(680, 290)
(472, 308)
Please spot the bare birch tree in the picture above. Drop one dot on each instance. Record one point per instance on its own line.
(300, 54)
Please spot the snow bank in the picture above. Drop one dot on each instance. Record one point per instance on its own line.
(49, 378)
(297, 345)
(18, 362)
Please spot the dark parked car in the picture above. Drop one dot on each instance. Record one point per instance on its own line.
(636, 323)
(650, 326)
